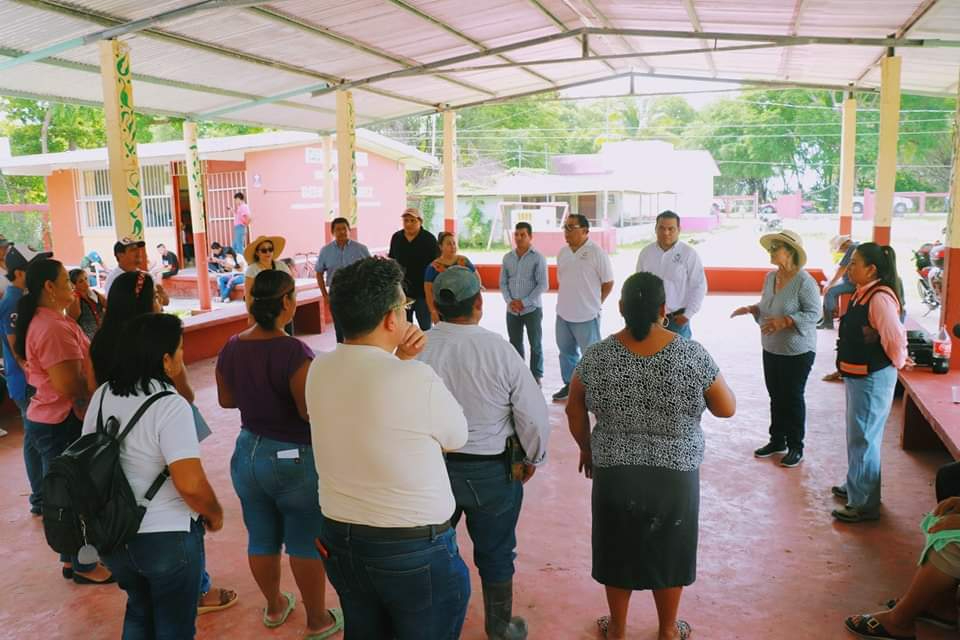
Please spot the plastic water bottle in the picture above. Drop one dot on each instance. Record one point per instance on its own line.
(941, 352)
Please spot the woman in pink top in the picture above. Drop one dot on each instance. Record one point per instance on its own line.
(872, 346)
(57, 358)
(241, 218)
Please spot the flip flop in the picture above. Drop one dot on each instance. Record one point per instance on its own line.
(291, 605)
(337, 615)
(603, 623)
(836, 376)
(684, 629)
(228, 598)
(866, 626)
(929, 618)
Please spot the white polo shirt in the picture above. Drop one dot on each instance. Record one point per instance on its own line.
(379, 427)
(682, 273)
(580, 275)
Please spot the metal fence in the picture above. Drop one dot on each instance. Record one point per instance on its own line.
(94, 207)
(221, 188)
(157, 190)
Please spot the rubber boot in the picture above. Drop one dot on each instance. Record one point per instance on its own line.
(499, 622)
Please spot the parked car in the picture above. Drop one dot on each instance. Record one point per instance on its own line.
(900, 204)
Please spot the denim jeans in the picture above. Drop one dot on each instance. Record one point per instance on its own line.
(31, 457)
(161, 574)
(682, 330)
(868, 405)
(239, 237)
(831, 298)
(422, 311)
(226, 282)
(786, 380)
(337, 330)
(50, 440)
(533, 323)
(278, 495)
(573, 338)
(415, 589)
(491, 503)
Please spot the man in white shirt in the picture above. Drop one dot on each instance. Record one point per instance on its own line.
(585, 276)
(380, 424)
(130, 257)
(509, 429)
(679, 266)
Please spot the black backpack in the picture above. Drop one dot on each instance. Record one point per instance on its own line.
(86, 496)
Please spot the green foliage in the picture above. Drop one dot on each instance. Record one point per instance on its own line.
(477, 228)
(429, 211)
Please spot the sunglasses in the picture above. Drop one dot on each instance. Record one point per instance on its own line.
(265, 250)
(775, 246)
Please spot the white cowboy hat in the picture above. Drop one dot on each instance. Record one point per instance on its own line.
(787, 237)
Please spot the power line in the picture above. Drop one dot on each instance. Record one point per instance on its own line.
(709, 136)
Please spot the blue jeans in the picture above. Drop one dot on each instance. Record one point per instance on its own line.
(402, 589)
(572, 339)
(491, 503)
(278, 495)
(533, 323)
(682, 330)
(239, 237)
(868, 405)
(31, 458)
(226, 282)
(831, 299)
(161, 574)
(423, 314)
(50, 440)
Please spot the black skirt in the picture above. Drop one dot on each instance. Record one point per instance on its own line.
(645, 524)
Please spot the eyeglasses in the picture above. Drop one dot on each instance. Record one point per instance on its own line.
(406, 305)
(265, 250)
(775, 246)
(571, 227)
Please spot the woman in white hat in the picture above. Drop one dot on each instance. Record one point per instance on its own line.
(262, 254)
(787, 313)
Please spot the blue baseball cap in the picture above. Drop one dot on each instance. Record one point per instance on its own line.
(455, 284)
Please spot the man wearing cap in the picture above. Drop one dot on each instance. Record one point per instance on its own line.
(839, 284)
(414, 248)
(130, 257)
(679, 266)
(17, 260)
(338, 254)
(585, 276)
(386, 539)
(508, 424)
(523, 279)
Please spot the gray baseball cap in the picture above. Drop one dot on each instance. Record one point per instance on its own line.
(455, 284)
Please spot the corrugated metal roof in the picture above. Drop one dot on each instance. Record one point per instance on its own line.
(231, 58)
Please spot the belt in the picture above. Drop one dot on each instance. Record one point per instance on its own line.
(388, 533)
(469, 457)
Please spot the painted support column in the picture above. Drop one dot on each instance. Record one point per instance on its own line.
(450, 171)
(887, 150)
(328, 180)
(347, 157)
(197, 214)
(848, 171)
(950, 303)
(121, 129)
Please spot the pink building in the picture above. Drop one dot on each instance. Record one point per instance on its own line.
(282, 173)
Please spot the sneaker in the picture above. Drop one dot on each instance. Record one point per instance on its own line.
(792, 459)
(563, 393)
(769, 449)
(839, 491)
(853, 514)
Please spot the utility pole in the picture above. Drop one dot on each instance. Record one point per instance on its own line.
(519, 156)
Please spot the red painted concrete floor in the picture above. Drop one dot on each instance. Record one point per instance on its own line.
(773, 564)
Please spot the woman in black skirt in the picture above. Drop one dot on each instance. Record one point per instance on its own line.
(647, 388)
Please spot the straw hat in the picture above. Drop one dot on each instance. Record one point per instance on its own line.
(838, 241)
(250, 252)
(786, 237)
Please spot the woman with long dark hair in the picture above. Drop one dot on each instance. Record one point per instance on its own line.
(58, 366)
(160, 567)
(872, 346)
(263, 372)
(131, 296)
(647, 387)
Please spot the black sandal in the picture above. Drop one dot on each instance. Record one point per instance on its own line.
(866, 626)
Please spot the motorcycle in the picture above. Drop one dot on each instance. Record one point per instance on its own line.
(929, 260)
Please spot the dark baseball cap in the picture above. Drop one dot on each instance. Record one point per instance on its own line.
(455, 284)
(21, 258)
(121, 245)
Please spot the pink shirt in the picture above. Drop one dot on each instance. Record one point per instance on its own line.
(884, 316)
(51, 339)
(241, 215)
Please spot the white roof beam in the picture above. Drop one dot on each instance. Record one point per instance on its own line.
(695, 22)
(794, 25)
(607, 24)
(902, 32)
(563, 27)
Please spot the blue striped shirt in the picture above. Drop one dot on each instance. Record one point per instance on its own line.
(524, 278)
(332, 257)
